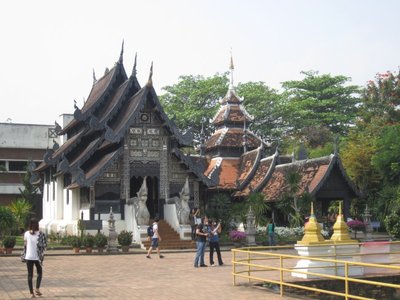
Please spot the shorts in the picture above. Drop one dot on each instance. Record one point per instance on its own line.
(154, 243)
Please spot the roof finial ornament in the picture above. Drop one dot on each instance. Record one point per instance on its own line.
(122, 53)
(94, 77)
(150, 81)
(134, 66)
(231, 68)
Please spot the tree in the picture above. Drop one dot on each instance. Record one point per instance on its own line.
(258, 205)
(7, 221)
(262, 103)
(29, 191)
(322, 101)
(381, 99)
(194, 100)
(21, 209)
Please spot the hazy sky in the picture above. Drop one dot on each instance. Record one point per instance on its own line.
(49, 48)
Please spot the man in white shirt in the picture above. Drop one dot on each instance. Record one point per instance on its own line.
(155, 239)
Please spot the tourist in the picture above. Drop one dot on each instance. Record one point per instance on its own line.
(214, 243)
(271, 233)
(155, 239)
(194, 222)
(34, 245)
(201, 234)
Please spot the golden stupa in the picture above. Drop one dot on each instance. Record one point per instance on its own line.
(340, 230)
(312, 231)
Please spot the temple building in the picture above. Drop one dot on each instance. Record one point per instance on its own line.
(121, 152)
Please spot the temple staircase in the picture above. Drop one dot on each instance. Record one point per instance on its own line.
(170, 238)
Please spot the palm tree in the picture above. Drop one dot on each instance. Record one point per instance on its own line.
(21, 209)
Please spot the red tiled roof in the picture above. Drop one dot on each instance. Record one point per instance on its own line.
(312, 173)
(228, 171)
(231, 113)
(232, 137)
(247, 162)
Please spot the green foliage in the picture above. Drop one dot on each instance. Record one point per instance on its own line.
(29, 191)
(392, 223)
(319, 100)
(218, 209)
(385, 201)
(262, 103)
(125, 238)
(258, 205)
(21, 209)
(88, 241)
(100, 240)
(7, 221)
(194, 99)
(75, 241)
(9, 241)
(387, 156)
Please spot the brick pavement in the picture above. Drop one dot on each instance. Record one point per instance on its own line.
(131, 276)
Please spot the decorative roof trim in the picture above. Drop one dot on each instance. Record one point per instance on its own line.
(193, 167)
(268, 175)
(253, 170)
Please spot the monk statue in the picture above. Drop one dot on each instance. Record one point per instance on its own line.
(141, 212)
(182, 204)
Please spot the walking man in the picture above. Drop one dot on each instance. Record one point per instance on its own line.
(155, 239)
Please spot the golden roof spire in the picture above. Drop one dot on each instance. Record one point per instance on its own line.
(340, 229)
(312, 231)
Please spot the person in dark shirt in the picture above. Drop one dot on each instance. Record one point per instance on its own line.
(201, 238)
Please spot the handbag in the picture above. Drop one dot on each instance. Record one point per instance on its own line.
(23, 255)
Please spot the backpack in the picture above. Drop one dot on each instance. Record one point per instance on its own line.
(150, 231)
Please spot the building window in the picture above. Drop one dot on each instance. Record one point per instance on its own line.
(3, 167)
(17, 166)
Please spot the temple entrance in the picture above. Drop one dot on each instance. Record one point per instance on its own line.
(152, 183)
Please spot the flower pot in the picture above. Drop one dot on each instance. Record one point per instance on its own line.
(76, 249)
(9, 250)
(100, 249)
(125, 248)
(89, 249)
(1, 251)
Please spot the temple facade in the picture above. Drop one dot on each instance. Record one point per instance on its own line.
(122, 153)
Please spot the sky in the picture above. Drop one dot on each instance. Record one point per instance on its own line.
(49, 49)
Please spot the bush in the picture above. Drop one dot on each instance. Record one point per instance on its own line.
(100, 240)
(88, 241)
(237, 236)
(9, 241)
(7, 221)
(125, 238)
(75, 241)
(392, 223)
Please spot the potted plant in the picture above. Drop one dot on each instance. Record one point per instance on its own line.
(100, 241)
(76, 243)
(125, 240)
(9, 243)
(88, 242)
(237, 237)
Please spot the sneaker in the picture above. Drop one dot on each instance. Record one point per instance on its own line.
(148, 256)
(221, 264)
(203, 266)
(212, 265)
(161, 256)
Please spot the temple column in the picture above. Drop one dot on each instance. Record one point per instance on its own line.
(196, 194)
(164, 183)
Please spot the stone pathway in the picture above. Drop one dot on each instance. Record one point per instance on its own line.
(131, 276)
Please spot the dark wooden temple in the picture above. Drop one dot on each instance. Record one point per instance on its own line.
(122, 135)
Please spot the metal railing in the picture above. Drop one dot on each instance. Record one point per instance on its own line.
(277, 266)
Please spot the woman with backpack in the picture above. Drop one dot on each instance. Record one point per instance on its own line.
(34, 245)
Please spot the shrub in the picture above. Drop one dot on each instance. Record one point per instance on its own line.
(88, 241)
(9, 241)
(75, 241)
(392, 223)
(7, 221)
(125, 238)
(356, 225)
(100, 240)
(236, 235)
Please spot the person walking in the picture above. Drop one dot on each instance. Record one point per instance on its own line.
(201, 234)
(214, 243)
(35, 243)
(155, 239)
(271, 233)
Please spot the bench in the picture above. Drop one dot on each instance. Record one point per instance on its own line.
(375, 225)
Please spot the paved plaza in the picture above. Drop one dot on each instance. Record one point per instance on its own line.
(130, 276)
